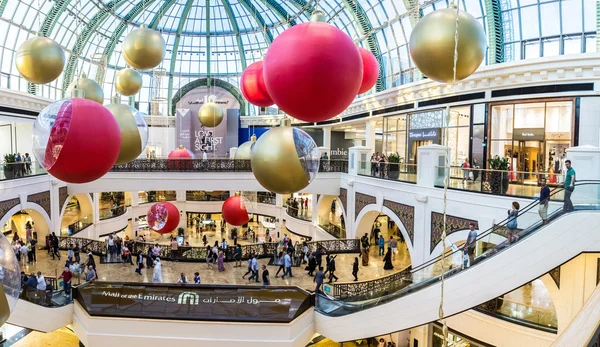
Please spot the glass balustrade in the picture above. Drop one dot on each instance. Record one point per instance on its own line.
(9, 171)
(391, 171)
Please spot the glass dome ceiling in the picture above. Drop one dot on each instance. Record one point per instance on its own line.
(219, 38)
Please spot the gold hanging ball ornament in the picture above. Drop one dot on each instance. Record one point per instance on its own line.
(40, 60)
(134, 130)
(144, 48)
(210, 114)
(90, 87)
(432, 45)
(284, 160)
(128, 81)
(244, 150)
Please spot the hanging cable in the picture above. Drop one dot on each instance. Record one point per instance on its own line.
(446, 183)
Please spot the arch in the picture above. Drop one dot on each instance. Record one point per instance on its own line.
(461, 235)
(214, 82)
(367, 216)
(324, 206)
(43, 225)
(85, 202)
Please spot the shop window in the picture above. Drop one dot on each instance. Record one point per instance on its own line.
(502, 122)
(558, 117)
(530, 115)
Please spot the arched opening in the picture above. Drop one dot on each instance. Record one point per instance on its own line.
(77, 214)
(331, 216)
(25, 224)
(111, 204)
(374, 224)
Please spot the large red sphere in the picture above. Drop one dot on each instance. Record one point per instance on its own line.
(163, 217)
(234, 211)
(76, 140)
(253, 86)
(179, 159)
(180, 153)
(313, 71)
(370, 70)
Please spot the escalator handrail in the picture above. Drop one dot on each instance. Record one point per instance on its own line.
(375, 301)
(487, 232)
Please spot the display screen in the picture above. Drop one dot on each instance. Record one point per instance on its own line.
(193, 302)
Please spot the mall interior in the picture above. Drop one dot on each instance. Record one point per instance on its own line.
(415, 173)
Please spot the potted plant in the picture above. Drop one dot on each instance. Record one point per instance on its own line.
(498, 178)
(394, 165)
(9, 165)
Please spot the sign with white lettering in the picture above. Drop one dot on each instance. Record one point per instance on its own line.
(193, 302)
(528, 134)
(424, 134)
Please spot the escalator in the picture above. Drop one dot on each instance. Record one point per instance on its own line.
(416, 297)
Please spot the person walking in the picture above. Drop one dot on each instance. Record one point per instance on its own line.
(76, 254)
(365, 249)
(91, 275)
(355, 269)
(569, 187)
(287, 262)
(55, 249)
(149, 257)
(174, 248)
(140, 263)
(281, 263)
(41, 282)
(196, 278)
(249, 267)
(182, 279)
(254, 269)
(157, 275)
(220, 260)
(471, 242)
(331, 268)
(393, 245)
(381, 244)
(238, 256)
(388, 261)
(90, 261)
(33, 243)
(265, 276)
(511, 225)
(465, 166)
(544, 200)
(66, 276)
(318, 279)
(312, 264)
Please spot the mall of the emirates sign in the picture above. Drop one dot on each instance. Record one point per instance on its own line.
(193, 302)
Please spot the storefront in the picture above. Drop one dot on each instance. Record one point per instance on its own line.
(406, 132)
(534, 135)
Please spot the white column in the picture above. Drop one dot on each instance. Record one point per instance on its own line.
(278, 200)
(432, 160)
(358, 160)
(180, 195)
(585, 160)
(327, 137)
(370, 134)
(96, 207)
(135, 199)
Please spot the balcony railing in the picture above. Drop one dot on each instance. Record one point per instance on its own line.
(522, 314)
(210, 165)
(302, 214)
(9, 171)
(389, 171)
(334, 229)
(77, 226)
(108, 213)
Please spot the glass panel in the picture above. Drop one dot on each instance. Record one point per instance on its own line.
(502, 122)
(529, 115)
(551, 48)
(558, 117)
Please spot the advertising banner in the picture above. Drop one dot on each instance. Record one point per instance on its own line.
(195, 136)
(193, 302)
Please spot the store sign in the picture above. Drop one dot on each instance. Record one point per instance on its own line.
(528, 134)
(564, 136)
(424, 134)
(193, 302)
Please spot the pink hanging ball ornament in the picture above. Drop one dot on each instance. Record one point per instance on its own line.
(370, 70)
(313, 70)
(234, 211)
(163, 217)
(76, 140)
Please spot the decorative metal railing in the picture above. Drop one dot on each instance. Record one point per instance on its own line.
(363, 290)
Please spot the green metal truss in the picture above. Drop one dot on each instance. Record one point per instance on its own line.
(495, 31)
(215, 82)
(258, 18)
(365, 28)
(52, 17)
(208, 50)
(3, 4)
(114, 38)
(280, 12)
(236, 30)
(83, 38)
(303, 6)
(184, 16)
(161, 12)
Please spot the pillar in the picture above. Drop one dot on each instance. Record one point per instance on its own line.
(430, 168)
(586, 162)
(278, 200)
(327, 137)
(135, 199)
(370, 134)
(359, 160)
(96, 207)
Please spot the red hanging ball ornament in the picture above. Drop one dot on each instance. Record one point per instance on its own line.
(180, 159)
(253, 86)
(313, 70)
(76, 140)
(234, 211)
(163, 217)
(370, 70)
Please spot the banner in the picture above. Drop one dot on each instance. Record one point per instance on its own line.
(195, 136)
(193, 302)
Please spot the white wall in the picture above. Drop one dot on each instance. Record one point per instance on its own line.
(37, 317)
(103, 331)
(589, 121)
(164, 138)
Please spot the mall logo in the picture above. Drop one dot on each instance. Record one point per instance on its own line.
(188, 298)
